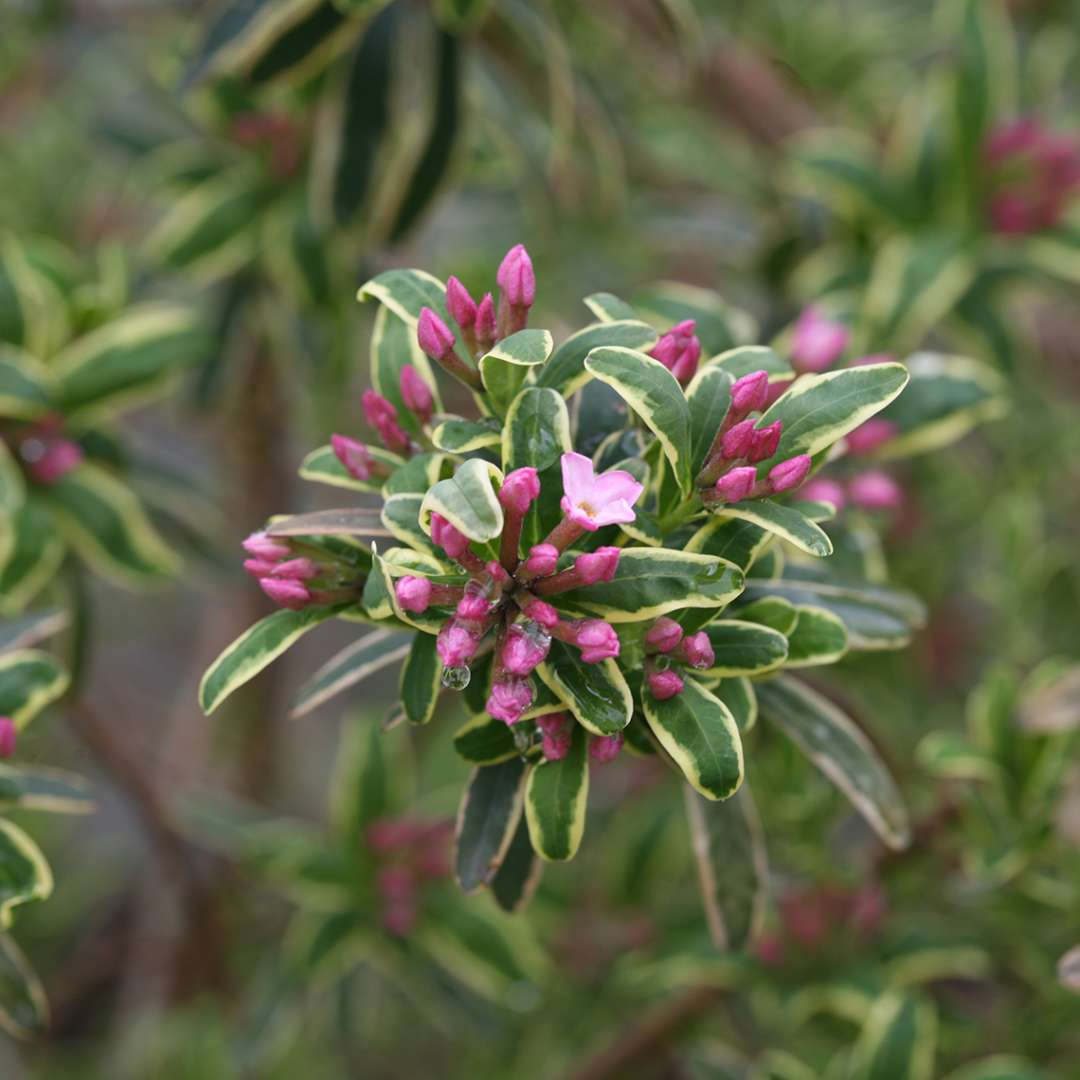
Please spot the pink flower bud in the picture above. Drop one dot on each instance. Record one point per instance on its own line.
(516, 279)
(679, 351)
(459, 303)
(664, 634)
(605, 748)
(387, 835)
(56, 460)
(765, 441)
(819, 341)
(416, 393)
(413, 593)
(599, 565)
(444, 535)
(789, 474)
(509, 700)
(664, 684)
(354, 457)
(543, 560)
(597, 641)
(697, 651)
(737, 484)
(875, 490)
(265, 547)
(552, 722)
(822, 489)
(519, 490)
(737, 440)
(434, 335)
(543, 613)
(8, 736)
(870, 435)
(485, 321)
(557, 732)
(377, 409)
(523, 650)
(395, 882)
(455, 645)
(473, 607)
(301, 569)
(749, 393)
(287, 594)
(497, 573)
(258, 568)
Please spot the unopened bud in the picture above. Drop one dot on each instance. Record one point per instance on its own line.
(8, 736)
(300, 569)
(737, 440)
(485, 322)
(543, 613)
(261, 546)
(354, 457)
(413, 593)
(789, 474)
(446, 536)
(664, 635)
(870, 435)
(519, 490)
(605, 748)
(737, 484)
(664, 684)
(543, 560)
(749, 393)
(287, 594)
(822, 489)
(455, 645)
(599, 565)
(460, 304)
(875, 490)
(434, 336)
(765, 441)
(697, 651)
(416, 393)
(516, 279)
(522, 651)
(509, 700)
(597, 641)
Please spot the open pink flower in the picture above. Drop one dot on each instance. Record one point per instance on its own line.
(591, 501)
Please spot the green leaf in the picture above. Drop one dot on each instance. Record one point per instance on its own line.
(729, 850)
(819, 637)
(556, 794)
(12, 487)
(487, 818)
(484, 740)
(467, 500)
(256, 649)
(34, 557)
(364, 782)
(105, 523)
(709, 398)
(651, 581)
(355, 663)
(394, 347)
(24, 873)
(609, 308)
(457, 436)
(820, 409)
(406, 293)
(517, 878)
(898, 1040)
(738, 695)
(505, 367)
(29, 680)
(782, 521)
(322, 466)
(24, 1012)
(999, 1067)
(718, 325)
(773, 611)
(841, 751)
(416, 475)
(421, 680)
(952, 756)
(597, 694)
(24, 393)
(127, 361)
(565, 371)
(305, 47)
(700, 736)
(745, 648)
(53, 790)
(735, 541)
(655, 395)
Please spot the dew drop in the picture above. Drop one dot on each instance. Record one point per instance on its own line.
(456, 678)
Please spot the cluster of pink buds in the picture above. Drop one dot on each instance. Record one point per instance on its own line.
(1035, 173)
(730, 474)
(679, 350)
(556, 732)
(506, 600)
(479, 324)
(409, 853)
(47, 455)
(293, 580)
(8, 735)
(871, 489)
(666, 646)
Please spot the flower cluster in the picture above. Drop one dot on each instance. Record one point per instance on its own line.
(410, 855)
(295, 580)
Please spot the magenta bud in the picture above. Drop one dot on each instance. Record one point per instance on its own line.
(543, 560)
(597, 641)
(460, 304)
(522, 651)
(605, 748)
(485, 321)
(664, 684)
(300, 569)
(377, 409)
(765, 441)
(8, 736)
(474, 608)
(261, 546)
(664, 635)
(875, 490)
(287, 594)
(497, 573)
(455, 645)
(519, 490)
(822, 489)
(56, 461)
(509, 700)
(557, 732)
(435, 337)
(789, 474)
(818, 342)
(516, 279)
(737, 440)
(543, 613)
(679, 351)
(354, 457)
(737, 484)
(749, 393)
(443, 534)
(599, 565)
(413, 593)
(259, 568)
(697, 651)
(416, 393)
(870, 435)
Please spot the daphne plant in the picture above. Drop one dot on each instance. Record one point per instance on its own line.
(596, 562)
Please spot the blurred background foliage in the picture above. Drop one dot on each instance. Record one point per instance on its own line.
(251, 163)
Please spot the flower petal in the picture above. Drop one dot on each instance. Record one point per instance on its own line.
(613, 486)
(578, 477)
(618, 512)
